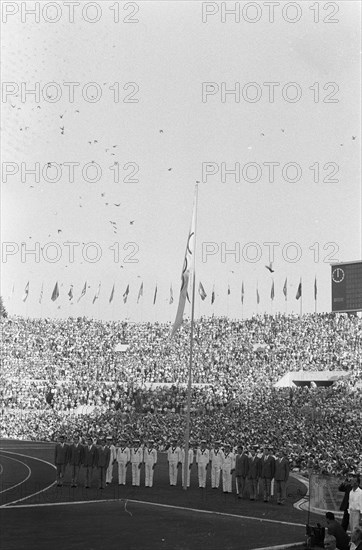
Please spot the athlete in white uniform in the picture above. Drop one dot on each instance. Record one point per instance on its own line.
(136, 461)
(216, 459)
(123, 457)
(228, 466)
(150, 460)
(202, 461)
(112, 459)
(174, 459)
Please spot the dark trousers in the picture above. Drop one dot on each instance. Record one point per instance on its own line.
(240, 485)
(345, 520)
(88, 475)
(102, 477)
(60, 473)
(75, 473)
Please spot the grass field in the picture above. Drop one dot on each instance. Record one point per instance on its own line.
(37, 515)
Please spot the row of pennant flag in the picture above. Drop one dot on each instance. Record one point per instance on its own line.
(201, 291)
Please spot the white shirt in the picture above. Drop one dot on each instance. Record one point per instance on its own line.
(123, 455)
(216, 457)
(229, 461)
(355, 499)
(150, 456)
(174, 454)
(203, 456)
(136, 455)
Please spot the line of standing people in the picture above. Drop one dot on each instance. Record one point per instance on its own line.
(253, 471)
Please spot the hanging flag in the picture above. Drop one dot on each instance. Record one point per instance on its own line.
(315, 288)
(96, 296)
(70, 293)
(112, 294)
(299, 291)
(41, 293)
(257, 296)
(155, 295)
(242, 292)
(185, 276)
(187, 296)
(125, 294)
(83, 291)
(213, 295)
(171, 295)
(26, 292)
(285, 288)
(202, 291)
(228, 290)
(55, 293)
(140, 292)
(272, 291)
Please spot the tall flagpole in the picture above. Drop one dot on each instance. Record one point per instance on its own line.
(187, 432)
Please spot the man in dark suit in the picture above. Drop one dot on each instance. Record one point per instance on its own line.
(334, 528)
(61, 455)
(254, 472)
(76, 455)
(281, 476)
(267, 472)
(89, 461)
(103, 456)
(241, 470)
(345, 488)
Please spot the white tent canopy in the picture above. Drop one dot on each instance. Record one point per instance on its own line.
(305, 377)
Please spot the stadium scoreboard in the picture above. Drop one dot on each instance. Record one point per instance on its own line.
(346, 281)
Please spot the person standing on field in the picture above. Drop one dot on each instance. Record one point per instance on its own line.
(150, 460)
(136, 462)
(123, 456)
(202, 461)
(216, 459)
(228, 467)
(174, 459)
(76, 457)
(61, 456)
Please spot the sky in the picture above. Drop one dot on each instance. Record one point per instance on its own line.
(150, 92)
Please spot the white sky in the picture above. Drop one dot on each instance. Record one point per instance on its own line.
(169, 53)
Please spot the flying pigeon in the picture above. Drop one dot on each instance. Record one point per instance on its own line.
(270, 268)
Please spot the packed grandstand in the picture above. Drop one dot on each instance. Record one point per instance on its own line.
(66, 377)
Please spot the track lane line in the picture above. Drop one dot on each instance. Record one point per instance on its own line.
(33, 494)
(210, 512)
(21, 482)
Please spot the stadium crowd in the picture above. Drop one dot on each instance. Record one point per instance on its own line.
(65, 376)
